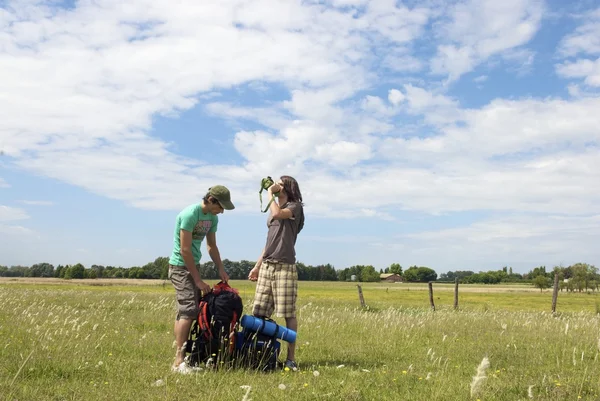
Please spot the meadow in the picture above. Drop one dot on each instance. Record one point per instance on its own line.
(112, 340)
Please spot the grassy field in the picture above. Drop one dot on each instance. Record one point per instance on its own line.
(112, 340)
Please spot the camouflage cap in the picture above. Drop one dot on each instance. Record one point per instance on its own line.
(221, 193)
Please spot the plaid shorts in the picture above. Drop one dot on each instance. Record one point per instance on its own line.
(276, 290)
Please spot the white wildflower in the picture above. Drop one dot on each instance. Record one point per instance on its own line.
(530, 392)
(340, 366)
(316, 373)
(282, 386)
(158, 383)
(247, 388)
(480, 376)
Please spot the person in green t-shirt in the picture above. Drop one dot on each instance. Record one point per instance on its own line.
(193, 224)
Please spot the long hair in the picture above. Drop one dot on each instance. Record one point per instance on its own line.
(291, 188)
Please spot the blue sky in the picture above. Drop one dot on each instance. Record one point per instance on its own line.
(455, 135)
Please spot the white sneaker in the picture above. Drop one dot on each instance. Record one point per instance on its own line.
(183, 368)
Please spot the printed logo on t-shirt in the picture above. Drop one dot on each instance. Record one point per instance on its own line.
(201, 228)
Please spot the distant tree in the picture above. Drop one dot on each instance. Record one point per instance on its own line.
(76, 271)
(538, 271)
(542, 282)
(450, 276)
(395, 268)
(99, 270)
(42, 270)
(369, 274)
(420, 274)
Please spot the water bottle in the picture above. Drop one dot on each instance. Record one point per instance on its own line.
(268, 328)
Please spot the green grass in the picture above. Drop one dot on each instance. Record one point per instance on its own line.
(114, 342)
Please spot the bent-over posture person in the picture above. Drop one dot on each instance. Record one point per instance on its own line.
(193, 224)
(275, 270)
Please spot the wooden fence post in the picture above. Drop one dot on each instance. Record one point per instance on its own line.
(360, 296)
(431, 296)
(555, 292)
(456, 293)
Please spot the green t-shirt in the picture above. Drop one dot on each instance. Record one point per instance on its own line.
(192, 219)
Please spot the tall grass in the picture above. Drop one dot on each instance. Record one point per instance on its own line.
(72, 342)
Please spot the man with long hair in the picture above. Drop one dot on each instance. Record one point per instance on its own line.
(193, 224)
(275, 270)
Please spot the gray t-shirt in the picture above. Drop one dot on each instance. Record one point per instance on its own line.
(281, 238)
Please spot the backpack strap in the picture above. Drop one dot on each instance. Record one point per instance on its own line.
(232, 332)
(203, 321)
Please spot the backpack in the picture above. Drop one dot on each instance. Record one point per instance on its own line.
(212, 339)
(256, 350)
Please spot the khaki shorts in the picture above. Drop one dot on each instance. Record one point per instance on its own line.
(276, 290)
(187, 294)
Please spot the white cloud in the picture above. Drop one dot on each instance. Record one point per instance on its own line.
(536, 239)
(343, 153)
(583, 68)
(88, 121)
(3, 184)
(585, 40)
(13, 230)
(395, 96)
(8, 213)
(468, 41)
(37, 202)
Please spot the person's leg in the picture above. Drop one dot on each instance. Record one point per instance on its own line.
(188, 297)
(182, 330)
(285, 294)
(291, 323)
(263, 297)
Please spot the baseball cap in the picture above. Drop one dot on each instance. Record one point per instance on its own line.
(221, 193)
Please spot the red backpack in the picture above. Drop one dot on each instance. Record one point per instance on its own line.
(213, 335)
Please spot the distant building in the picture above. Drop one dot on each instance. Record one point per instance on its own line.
(391, 277)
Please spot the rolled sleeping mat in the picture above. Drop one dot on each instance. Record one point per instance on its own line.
(268, 328)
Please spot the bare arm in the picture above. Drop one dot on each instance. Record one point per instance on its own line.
(213, 250)
(259, 261)
(277, 212)
(253, 275)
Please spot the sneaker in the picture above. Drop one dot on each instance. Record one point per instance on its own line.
(182, 368)
(291, 365)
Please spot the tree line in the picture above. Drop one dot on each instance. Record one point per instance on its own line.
(237, 270)
(577, 277)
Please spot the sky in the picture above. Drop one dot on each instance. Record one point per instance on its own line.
(458, 135)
